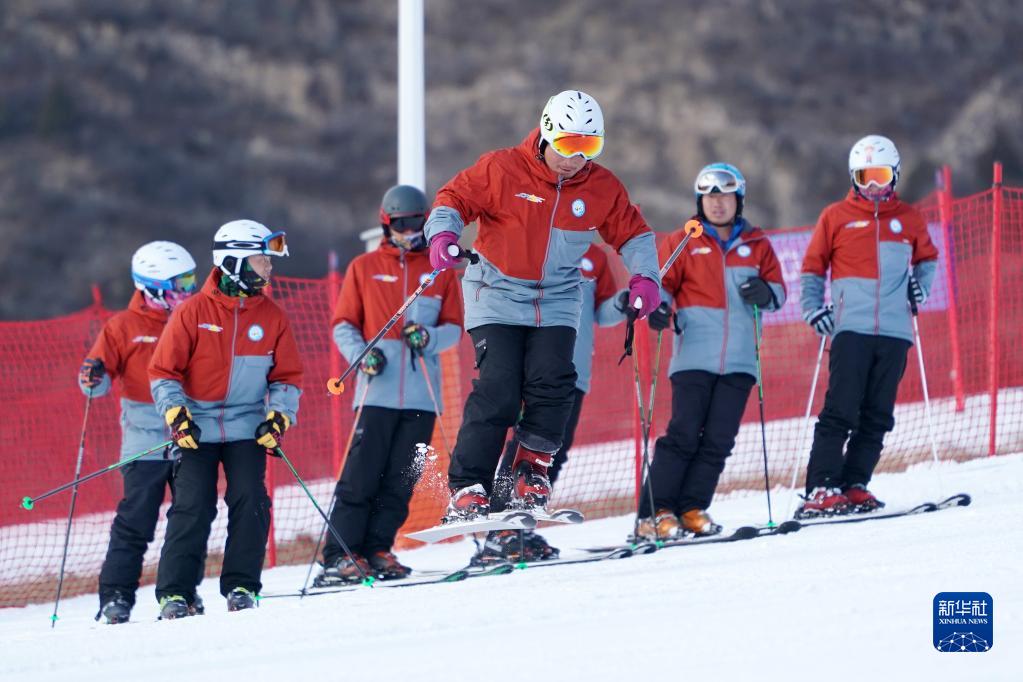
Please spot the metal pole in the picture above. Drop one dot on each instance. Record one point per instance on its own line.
(411, 117)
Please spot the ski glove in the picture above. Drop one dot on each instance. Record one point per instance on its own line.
(646, 292)
(416, 336)
(440, 257)
(916, 292)
(755, 291)
(660, 318)
(822, 320)
(184, 431)
(270, 433)
(90, 375)
(374, 363)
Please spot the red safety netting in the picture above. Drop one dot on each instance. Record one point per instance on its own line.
(967, 327)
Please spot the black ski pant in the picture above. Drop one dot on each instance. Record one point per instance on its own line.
(195, 506)
(521, 369)
(134, 526)
(859, 408)
(706, 410)
(504, 483)
(372, 496)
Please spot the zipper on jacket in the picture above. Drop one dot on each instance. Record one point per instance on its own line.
(404, 321)
(877, 289)
(230, 368)
(724, 281)
(550, 232)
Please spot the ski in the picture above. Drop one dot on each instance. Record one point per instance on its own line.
(959, 500)
(557, 516)
(740, 533)
(516, 520)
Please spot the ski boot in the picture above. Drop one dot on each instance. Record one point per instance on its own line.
(387, 567)
(823, 501)
(196, 607)
(173, 607)
(664, 526)
(538, 547)
(343, 571)
(467, 504)
(240, 599)
(501, 546)
(116, 609)
(532, 486)
(699, 523)
(862, 500)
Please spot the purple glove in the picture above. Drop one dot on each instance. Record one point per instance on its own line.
(440, 257)
(646, 290)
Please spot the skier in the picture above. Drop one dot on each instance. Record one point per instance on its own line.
(870, 240)
(164, 276)
(227, 355)
(537, 206)
(714, 288)
(600, 307)
(373, 493)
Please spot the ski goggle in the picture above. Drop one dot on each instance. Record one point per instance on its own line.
(882, 176)
(405, 223)
(183, 283)
(274, 244)
(716, 180)
(570, 144)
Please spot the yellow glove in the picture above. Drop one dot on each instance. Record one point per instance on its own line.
(270, 433)
(184, 431)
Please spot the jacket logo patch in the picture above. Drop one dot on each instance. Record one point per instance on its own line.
(145, 339)
(530, 198)
(578, 208)
(700, 250)
(895, 226)
(857, 223)
(255, 333)
(586, 265)
(386, 278)
(743, 251)
(211, 327)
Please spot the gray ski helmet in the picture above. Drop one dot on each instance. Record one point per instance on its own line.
(403, 212)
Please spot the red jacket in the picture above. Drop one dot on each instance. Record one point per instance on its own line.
(229, 359)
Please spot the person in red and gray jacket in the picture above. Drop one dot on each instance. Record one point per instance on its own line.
(397, 376)
(537, 206)
(226, 376)
(716, 286)
(881, 257)
(164, 276)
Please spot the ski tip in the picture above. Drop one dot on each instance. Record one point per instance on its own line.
(745, 533)
(963, 500)
(789, 527)
(27, 503)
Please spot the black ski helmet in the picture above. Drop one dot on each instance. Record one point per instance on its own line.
(403, 212)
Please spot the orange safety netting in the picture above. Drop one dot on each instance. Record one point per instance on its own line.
(968, 327)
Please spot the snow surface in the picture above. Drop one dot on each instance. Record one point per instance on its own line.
(848, 602)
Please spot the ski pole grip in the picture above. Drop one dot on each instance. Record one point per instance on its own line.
(456, 251)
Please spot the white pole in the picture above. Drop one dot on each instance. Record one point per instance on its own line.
(411, 116)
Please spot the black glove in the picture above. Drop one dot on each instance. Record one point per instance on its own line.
(416, 336)
(270, 433)
(91, 373)
(660, 318)
(374, 363)
(822, 320)
(184, 431)
(755, 291)
(915, 292)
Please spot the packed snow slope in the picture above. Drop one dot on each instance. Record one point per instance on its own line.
(843, 602)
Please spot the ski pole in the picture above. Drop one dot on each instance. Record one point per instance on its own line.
(366, 580)
(71, 509)
(337, 386)
(760, 395)
(927, 397)
(29, 502)
(806, 427)
(645, 425)
(333, 499)
(436, 405)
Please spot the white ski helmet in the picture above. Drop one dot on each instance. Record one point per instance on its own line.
(874, 151)
(235, 241)
(164, 272)
(573, 113)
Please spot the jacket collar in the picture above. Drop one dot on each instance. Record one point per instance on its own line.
(893, 205)
(538, 168)
(388, 249)
(745, 232)
(138, 305)
(211, 289)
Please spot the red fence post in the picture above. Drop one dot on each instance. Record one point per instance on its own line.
(996, 270)
(944, 178)
(333, 289)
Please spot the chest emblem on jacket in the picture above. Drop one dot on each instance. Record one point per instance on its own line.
(895, 226)
(743, 251)
(255, 333)
(578, 208)
(586, 265)
(385, 278)
(857, 223)
(530, 198)
(144, 339)
(700, 250)
(211, 327)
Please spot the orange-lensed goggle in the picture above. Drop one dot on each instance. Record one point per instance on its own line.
(882, 176)
(570, 144)
(275, 244)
